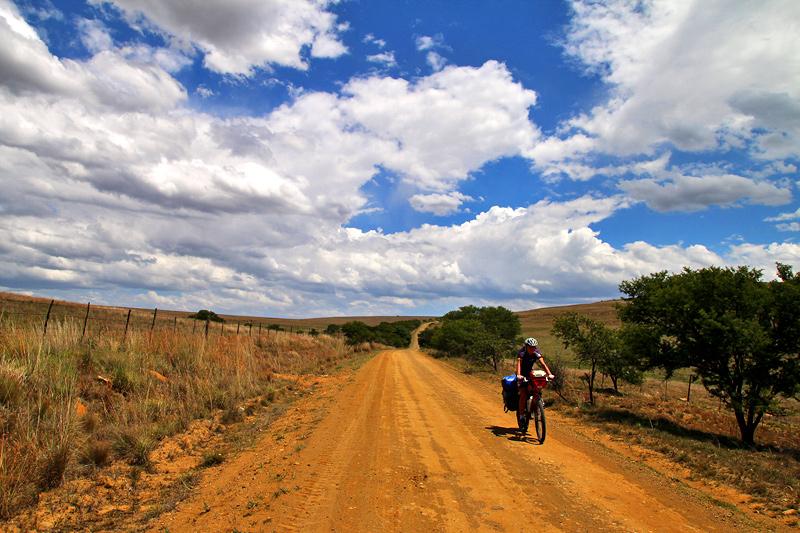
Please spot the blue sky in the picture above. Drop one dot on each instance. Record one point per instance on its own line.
(317, 158)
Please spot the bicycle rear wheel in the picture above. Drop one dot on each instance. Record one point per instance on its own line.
(539, 420)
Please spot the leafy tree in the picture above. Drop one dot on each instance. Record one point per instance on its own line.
(592, 342)
(740, 333)
(205, 314)
(333, 329)
(480, 334)
(455, 337)
(396, 334)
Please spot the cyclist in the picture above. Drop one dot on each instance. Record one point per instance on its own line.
(526, 357)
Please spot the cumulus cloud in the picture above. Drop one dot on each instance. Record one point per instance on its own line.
(697, 75)
(108, 78)
(112, 185)
(237, 37)
(439, 204)
(693, 193)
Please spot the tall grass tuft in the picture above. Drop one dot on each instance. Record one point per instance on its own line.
(66, 403)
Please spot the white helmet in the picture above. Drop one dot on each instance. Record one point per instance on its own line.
(530, 341)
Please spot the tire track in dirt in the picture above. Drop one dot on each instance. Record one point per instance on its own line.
(410, 444)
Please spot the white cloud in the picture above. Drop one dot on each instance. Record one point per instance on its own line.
(438, 204)
(95, 36)
(204, 92)
(698, 74)
(435, 60)
(370, 38)
(447, 124)
(107, 79)
(237, 37)
(110, 184)
(385, 58)
(428, 42)
(784, 218)
(693, 193)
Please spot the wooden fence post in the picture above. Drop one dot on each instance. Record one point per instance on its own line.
(127, 321)
(206, 329)
(47, 318)
(237, 329)
(259, 330)
(194, 325)
(250, 331)
(85, 319)
(153, 323)
(222, 329)
(175, 324)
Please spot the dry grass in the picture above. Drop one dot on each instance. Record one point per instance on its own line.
(68, 407)
(104, 318)
(538, 322)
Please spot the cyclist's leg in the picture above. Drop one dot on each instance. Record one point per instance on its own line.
(523, 398)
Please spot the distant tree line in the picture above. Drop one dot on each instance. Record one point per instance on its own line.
(397, 334)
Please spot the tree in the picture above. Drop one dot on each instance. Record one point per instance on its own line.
(333, 329)
(740, 334)
(481, 334)
(205, 314)
(591, 341)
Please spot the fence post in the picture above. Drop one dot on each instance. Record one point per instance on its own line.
(127, 321)
(175, 324)
(237, 329)
(153, 323)
(222, 329)
(47, 318)
(194, 325)
(206, 329)
(250, 331)
(259, 330)
(85, 319)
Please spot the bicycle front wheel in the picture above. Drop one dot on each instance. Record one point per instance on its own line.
(540, 421)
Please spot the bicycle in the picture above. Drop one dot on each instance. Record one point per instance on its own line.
(534, 405)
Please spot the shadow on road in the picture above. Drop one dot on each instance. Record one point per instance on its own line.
(512, 434)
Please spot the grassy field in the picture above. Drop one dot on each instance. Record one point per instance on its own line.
(104, 318)
(538, 323)
(72, 404)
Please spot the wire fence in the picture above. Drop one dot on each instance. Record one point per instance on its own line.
(103, 321)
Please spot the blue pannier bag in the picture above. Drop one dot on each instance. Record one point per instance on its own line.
(510, 392)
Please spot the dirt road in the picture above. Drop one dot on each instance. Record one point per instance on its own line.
(410, 444)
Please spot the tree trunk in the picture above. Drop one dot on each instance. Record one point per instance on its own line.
(747, 428)
(614, 382)
(591, 382)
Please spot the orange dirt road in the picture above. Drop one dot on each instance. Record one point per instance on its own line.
(409, 444)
